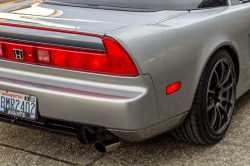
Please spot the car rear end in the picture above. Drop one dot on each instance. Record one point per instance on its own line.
(76, 85)
(60, 71)
(71, 81)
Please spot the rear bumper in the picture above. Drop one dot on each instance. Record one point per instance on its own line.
(79, 130)
(116, 103)
(150, 132)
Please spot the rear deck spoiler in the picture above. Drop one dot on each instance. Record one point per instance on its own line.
(51, 36)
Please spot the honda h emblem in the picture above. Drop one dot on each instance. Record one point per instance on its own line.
(18, 54)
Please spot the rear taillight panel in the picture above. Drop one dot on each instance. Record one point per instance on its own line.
(19, 51)
(72, 58)
(115, 60)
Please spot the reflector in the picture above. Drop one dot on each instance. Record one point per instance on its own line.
(173, 88)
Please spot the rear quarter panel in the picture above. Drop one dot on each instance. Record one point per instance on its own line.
(178, 49)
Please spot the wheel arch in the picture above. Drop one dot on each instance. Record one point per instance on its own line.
(233, 53)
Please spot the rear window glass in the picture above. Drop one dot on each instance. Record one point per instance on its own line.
(150, 4)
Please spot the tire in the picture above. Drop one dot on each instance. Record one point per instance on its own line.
(213, 105)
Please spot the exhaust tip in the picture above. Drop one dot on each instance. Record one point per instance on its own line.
(100, 147)
(107, 145)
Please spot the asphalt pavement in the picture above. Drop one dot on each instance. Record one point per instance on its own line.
(22, 146)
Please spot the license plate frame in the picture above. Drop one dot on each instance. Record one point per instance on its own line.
(18, 105)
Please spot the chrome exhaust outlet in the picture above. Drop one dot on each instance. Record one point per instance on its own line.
(108, 145)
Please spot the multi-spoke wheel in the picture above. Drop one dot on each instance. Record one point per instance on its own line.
(220, 96)
(213, 104)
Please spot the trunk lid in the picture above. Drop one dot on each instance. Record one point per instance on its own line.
(98, 21)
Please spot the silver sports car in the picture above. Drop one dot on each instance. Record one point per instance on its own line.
(112, 70)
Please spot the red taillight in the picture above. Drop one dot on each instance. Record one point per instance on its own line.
(119, 60)
(72, 58)
(2, 49)
(173, 88)
(115, 60)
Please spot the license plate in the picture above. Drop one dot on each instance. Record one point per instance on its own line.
(18, 105)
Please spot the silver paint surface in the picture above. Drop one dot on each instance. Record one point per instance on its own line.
(105, 101)
(166, 46)
(178, 49)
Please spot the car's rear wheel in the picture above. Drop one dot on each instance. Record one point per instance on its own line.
(213, 105)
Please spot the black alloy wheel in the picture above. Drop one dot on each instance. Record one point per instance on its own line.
(220, 96)
(214, 101)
